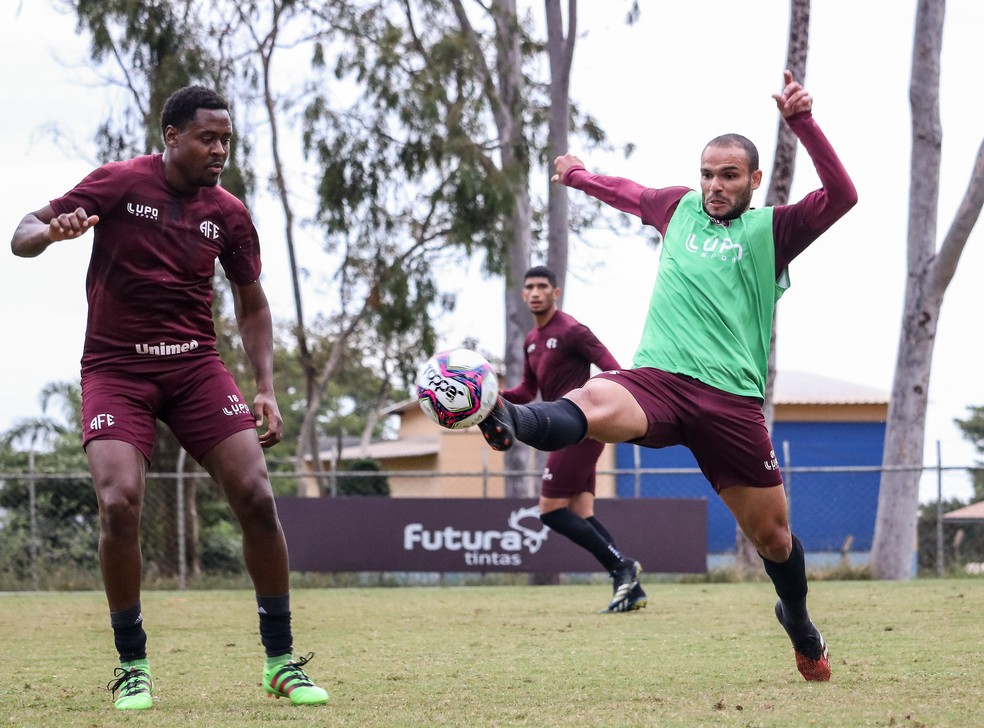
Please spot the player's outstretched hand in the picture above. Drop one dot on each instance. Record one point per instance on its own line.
(794, 98)
(265, 407)
(562, 164)
(70, 225)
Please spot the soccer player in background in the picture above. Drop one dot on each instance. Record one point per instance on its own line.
(559, 352)
(160, 221)
(699, 373)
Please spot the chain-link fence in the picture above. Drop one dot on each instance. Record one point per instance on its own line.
(49, 522)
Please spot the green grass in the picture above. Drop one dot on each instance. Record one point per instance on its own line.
(903, 654)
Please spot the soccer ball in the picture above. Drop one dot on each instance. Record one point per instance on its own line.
(457, 388)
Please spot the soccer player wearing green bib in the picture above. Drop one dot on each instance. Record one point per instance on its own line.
(699, 373)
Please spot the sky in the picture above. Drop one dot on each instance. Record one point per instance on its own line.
(684, 74)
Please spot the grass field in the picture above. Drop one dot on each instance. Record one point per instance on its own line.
(903, 654)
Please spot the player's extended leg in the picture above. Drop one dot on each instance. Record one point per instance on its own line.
(637, 598)
(601, 409)
(560, 515)
(762, 515)
(238, 466)
(118, 476)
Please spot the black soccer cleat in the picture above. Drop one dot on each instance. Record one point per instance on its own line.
(636, 600)
(497, 428)
(626, 589)
(812, 655)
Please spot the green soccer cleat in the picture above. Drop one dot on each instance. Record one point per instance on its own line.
(135, 685)
(286, 679)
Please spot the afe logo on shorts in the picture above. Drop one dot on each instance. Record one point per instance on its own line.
(210, 230)
(101, 420)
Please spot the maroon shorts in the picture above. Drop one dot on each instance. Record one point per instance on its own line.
(725, 432)
(571, 470)
(199, 401)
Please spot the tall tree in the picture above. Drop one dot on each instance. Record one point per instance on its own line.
(453, 76)
(929, 271)
(506, 92)
(560, 51)
(780, 183)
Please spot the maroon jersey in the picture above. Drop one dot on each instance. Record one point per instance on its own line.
(149, 284)
(558, 359)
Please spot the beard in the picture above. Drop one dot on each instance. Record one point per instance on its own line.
(735, 211)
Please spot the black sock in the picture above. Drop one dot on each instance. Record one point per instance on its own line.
(601, 529)
(275, 631)
(567, 523)
(128, 633)
(549, 425)
(789, 579)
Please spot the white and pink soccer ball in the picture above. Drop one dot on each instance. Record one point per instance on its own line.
(457, 388)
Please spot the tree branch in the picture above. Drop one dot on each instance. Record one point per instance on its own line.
(963, 223)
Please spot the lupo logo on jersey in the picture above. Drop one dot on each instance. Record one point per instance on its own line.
(210, 230)
(724, 248)
(140, 210)
(482, 548)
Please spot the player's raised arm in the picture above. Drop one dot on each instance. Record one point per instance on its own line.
(794, 99)
(799, 224)
(618, 192)
(562, 164)
(40, 229)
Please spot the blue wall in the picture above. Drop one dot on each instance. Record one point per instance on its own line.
(825, 508)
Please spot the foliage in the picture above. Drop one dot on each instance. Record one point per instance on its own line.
(363, 485)
(963, 543)
(66, 523)
(973, 429)
(149, 49)
(222, 550)
(65, 515)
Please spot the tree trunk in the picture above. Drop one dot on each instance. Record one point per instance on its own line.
(780, 182)
(898, 497)
(929, 273)
(314, 487)
(560, 49)
(507, 106)
(265, 43)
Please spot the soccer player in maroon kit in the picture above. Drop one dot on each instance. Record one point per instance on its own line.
(559, 352)
(160, 221)
(699, 373)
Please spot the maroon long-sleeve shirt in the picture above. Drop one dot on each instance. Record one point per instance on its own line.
(558, 359)
(794, 226)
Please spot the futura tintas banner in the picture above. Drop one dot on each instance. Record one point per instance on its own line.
(495, 534)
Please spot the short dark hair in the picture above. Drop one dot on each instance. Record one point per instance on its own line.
(541, 271)
(181, 106)
(737, 140)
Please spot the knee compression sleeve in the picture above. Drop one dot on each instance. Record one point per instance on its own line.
(550, 425)
(789, 577)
